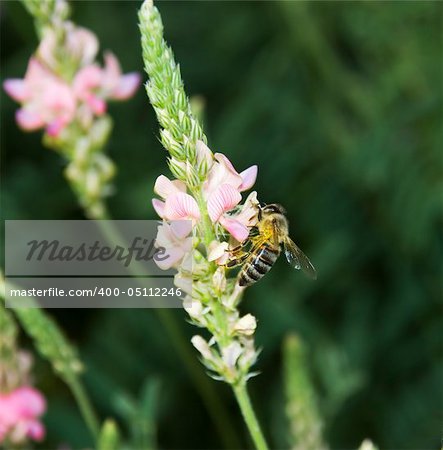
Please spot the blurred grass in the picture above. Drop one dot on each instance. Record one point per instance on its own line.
(340, 104)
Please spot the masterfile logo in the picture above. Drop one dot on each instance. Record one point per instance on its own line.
(88, 263)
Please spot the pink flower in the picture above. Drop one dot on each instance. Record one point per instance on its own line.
(222, 190)
(238, 225)
(50, 102)
(174, 238)
(19, 415)
(82, 44)
(248, 214)
(222, 200)
(86, 87)
(46, 100)
(177, 205)
(95, 85)
(223, 172)
(114, 85)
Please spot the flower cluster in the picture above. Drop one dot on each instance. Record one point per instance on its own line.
(21, 405)
(221, 192)
(20, 412)
(207, 193)
(201, 271)
(53, 99)
(65, 92)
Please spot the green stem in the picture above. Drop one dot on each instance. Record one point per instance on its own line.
(242, 396)
(84, 405)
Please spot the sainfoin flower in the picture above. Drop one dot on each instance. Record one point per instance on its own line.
(177, 204)
(20, 412)
(47, 101)
(221, 190)
(52, 100)
(174, 238)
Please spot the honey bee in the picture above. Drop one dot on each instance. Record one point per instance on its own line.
(265, 243)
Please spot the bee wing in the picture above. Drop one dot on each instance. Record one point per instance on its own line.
(298, 260)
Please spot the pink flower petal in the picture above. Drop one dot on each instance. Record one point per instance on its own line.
(29, 402)
(36, 430)
(164, 187)
(16, 89)
(35, 70)
(248, 214)
(248, 177)
(181, 206)
(8, 412)
(223, 199)
(83, 44)
(126, 87)
(224, 161)
(54, 128)
(175, 247)
(181, 228)
(235, 228)
(29, 120)
(112, 70)
(222, 172)
(114, 84)
(164, 238)
(169, 259)
(97, 104)
(45, 50)
(217, 250)
(87, 79)
(159, 207)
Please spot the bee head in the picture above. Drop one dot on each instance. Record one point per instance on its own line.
(273, 208)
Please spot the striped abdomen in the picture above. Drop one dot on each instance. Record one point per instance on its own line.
(258, 264)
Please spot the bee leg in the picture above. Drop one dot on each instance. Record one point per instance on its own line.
(253, 232)
(238, 255)
(237, 260)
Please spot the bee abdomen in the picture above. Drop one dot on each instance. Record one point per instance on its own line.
(259, 266)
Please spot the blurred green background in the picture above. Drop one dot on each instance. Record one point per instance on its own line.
(340, 105)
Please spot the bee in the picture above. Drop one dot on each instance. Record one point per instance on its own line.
(265, 242)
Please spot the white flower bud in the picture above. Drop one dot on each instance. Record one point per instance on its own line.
(218, 251)
(246, 325)
(219, 280)
(194, 308)
(100, 130)
(231, 353)
(92, 184)
(81, 151)
(202, 346)
(250, 354)
(183, 283)
(367, 445)
(171, 144)
(205, 159)
(105, 166)
(192, 177)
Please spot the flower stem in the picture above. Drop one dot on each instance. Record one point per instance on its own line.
(84, 404)
(242, 396)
